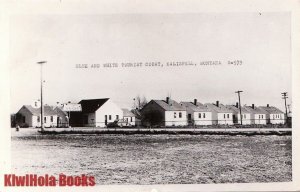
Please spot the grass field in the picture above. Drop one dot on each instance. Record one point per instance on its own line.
(156, 159)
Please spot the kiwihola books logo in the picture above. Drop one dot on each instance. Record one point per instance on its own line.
(34, 180)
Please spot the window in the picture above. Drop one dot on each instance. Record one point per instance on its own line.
(130, 119)
(38, 119)
(174, 115)
(117, 116)
(228, 116)
(51, 118)
(180, 114)
(203, 115)
(109, 117)
(200, 115)
(45, 119)
(224, 116)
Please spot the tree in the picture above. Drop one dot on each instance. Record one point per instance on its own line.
(139, 102)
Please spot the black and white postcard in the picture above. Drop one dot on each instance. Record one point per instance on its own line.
(149, 96)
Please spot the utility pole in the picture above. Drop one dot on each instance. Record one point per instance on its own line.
(238, 92)
(42, 106)
(284, 96)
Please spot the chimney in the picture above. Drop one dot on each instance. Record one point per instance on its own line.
(268, 105)
(237, 104)
(168, 100)
(252, 106)
(217, 103)
(195, 102)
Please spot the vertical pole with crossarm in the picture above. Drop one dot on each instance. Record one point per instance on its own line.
(238, 92)
(42, 106)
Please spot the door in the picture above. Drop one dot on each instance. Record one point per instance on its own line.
(190, 119)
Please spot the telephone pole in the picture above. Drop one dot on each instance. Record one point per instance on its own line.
(42, 106)
(284, 96)
(238, 92)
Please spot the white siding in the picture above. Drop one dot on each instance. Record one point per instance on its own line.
(110, 109)
(47, 123)
(246, 118)
(202, 118)
(130, 120)
(277, 118)
(172, 118)
(225, 120)
(260, 119)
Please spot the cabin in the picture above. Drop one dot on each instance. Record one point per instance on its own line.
(274, 115)
(246, 115)
(258, 115)
(221, 115)
(163, 113)
(129, 118)
(30, 116)
(197, 113)
(99, 112)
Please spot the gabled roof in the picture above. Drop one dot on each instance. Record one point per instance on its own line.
(59, 111)
(92, 105)
(171, 106)
(221, 109)
(256, 110)
(271, 109)
(127, 113)
(196, 108)
(48, 110)
(234, 109)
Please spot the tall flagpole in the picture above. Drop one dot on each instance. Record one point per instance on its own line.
(42, 106)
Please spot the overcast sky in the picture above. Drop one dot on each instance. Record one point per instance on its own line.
(260, 40)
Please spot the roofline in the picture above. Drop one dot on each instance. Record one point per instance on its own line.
(25, 107)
